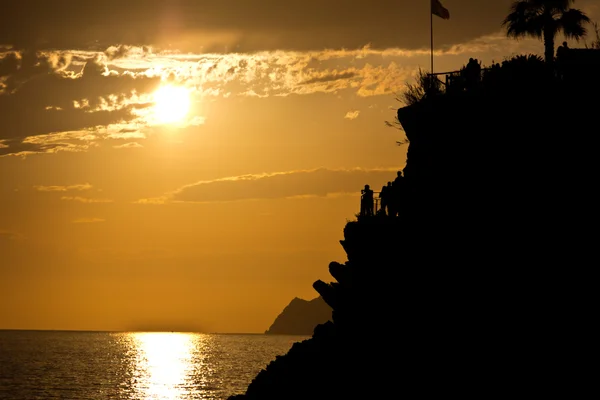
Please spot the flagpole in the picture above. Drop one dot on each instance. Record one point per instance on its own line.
(431, 31)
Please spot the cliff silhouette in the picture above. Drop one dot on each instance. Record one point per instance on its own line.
(300, 317)
(483, 285)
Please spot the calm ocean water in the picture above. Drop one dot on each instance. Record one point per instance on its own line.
(103, 365)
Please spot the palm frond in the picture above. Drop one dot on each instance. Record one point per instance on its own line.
(525, 19)
(572, 22)
(557, 5)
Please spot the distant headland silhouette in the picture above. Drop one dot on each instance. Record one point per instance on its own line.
(479, 282)
(300, 317)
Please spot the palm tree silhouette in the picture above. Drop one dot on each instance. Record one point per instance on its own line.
(544, 19)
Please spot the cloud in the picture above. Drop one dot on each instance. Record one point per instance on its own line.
(63, 188)
(85, 199)
(70, 97)
(70, 101)
(129, 145)
(70, 141)
(281, 73)
(154, 200)
(291, 184)
(88, 220)
(366, 70)
(352, 114)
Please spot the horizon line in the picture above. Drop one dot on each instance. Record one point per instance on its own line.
(144, 331)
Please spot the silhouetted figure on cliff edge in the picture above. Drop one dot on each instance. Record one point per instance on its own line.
(560, 59)
(384, 195)
(472, 74)
(560, 51)
(366, 202)
(397, 193)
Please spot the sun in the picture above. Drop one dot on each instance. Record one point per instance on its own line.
(171, 104)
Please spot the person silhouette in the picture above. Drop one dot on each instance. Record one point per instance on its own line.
(560, 59)
(396, 195)
(366, 201)
(560, 51)
(472, 73)
(384, 195)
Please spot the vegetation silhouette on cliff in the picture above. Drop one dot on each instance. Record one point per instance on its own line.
(544, 19)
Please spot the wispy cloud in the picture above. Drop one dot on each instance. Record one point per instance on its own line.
(155, 200)
(88, 220)
(291, 184)
(129, 145)
(352, 114)
(63, 188)
(85, 199)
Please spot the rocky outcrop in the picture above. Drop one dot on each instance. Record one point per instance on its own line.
(481, 287)
(300, 317)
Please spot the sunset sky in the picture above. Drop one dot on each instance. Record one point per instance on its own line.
(190, 165)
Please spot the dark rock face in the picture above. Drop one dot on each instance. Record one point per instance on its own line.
(483, 285)
(300, 317)
(498, 167)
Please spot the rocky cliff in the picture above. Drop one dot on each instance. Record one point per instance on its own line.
(300, 317)
(484, 285)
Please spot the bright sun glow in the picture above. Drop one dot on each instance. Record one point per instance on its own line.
(171, 104)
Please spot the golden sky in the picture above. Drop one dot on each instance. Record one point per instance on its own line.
(190, 165)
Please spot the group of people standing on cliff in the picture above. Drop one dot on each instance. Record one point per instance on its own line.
(389, 197)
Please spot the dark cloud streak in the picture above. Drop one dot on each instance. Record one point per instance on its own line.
(330, 78)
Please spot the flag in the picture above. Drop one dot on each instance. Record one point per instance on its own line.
(438, 9)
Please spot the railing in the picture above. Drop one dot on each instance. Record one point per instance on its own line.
(376, 203)
(457, 80)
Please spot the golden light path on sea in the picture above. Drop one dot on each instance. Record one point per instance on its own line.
(163, 365)
(187, 365)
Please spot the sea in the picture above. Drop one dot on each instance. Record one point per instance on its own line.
(133, 365)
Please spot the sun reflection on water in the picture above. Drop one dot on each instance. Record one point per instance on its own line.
(163, 365)
(190, 366)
